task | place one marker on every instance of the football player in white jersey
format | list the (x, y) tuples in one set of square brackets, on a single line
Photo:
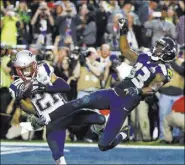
[(25, 90)]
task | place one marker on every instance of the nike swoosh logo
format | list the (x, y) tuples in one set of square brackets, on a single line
[(125, 109)]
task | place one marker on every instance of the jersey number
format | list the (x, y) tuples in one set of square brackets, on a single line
[(46, 101), (141, 77)]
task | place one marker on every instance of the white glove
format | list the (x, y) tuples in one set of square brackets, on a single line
[(27, 127)]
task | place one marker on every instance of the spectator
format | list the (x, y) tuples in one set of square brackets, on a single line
[(69, 4), (160, 27), (175, 119), (145, 10), (125, 9), (42, 23), (168, 95), (140, 117), (180, 30), (59, 7), (142, 10), (101, 23), (64, 70), (60, 55), (2, 9), (180, 8), (66, 27), (89, 74), (153, 4), (9, 27), (5, 95), (107, 60), (24, 37), (171, 15), (113, 32), (81, 22), (89, 33), (131, 34)]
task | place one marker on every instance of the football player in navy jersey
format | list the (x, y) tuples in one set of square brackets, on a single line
[(150, 71), (26, 92)]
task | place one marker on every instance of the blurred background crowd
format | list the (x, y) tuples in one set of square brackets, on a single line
[(80, 39)]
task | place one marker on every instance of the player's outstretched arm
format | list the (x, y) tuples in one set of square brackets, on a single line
[(58, 86), (155, 85), (123, 42)]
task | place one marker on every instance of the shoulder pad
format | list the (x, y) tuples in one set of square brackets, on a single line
[(46, 67)]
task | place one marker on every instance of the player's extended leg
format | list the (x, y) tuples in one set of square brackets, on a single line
[(96, 100), (88, 117), (56, 140), (120, 107)]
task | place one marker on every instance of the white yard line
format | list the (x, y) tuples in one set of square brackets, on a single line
[(92, 145), (7, 149)]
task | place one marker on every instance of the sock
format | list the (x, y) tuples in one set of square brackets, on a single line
[(121, 136)]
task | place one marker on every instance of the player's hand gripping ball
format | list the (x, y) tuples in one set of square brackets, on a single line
[(24, 90)]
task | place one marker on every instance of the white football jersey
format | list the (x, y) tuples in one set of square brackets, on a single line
[(45, 102)]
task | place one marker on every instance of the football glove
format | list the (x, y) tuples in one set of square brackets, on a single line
[(23, 90), (41, 88), (19, 91), (35, 122), (123, 24), (132, 91)]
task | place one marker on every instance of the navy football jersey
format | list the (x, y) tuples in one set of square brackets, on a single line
[(145, 70)]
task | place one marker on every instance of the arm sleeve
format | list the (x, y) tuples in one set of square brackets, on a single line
[(12, 90), (149, 24), (177, 68), (59, 86)]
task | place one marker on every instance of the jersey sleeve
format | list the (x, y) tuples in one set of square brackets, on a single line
[(48, 68), (13, 87), (143, 57), (12, 90), (44, 73)]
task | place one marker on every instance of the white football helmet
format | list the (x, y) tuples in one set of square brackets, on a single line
[(25, 65)]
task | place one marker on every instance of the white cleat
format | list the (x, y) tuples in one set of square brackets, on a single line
[(61, 161)]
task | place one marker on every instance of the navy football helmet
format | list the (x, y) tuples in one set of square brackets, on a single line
[(165, 49)]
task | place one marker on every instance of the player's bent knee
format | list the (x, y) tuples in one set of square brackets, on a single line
[(102, 147), (102, 119)]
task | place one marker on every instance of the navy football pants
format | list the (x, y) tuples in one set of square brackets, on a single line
[(55, 134), (119, 107)]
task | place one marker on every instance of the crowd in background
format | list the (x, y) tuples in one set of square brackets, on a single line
[(80, 39)]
